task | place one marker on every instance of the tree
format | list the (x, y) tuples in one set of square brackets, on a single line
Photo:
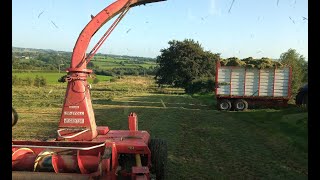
[(29, 81), (183, 62), (95, 80), (299, 68), (62, 79), (90, 65), (40, 81), (16, 80), (305, 71)]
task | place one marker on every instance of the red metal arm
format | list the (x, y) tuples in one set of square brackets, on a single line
[(79, 51)]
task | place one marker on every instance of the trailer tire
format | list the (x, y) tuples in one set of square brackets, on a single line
[(224, 105), (159, 154), (14, 117), (240, 105)]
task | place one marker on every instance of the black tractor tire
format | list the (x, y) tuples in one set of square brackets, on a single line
[(159, 155), (305, 100), (14, 117), (224, 105), (240, 105), (299, 99)]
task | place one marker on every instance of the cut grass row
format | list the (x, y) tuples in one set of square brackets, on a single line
[(52, 77)]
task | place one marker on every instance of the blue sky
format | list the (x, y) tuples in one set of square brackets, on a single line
[(256, 28)]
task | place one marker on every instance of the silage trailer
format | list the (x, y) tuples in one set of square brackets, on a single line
[(239, 87)]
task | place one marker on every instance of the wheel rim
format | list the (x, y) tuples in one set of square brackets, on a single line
[(224, 105), (240, 105)]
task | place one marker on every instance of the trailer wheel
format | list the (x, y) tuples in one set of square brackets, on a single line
[(240, 105), (224, 105), (159, 155), (14, 117)]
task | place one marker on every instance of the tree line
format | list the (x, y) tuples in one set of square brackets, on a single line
[(185, 64)]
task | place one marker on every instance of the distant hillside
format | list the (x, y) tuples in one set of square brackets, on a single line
[(102, 64), (33, 50)]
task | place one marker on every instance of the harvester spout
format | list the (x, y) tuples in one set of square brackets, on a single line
[(144, 2)]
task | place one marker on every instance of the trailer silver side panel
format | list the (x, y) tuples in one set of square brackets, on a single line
[(250, 82)]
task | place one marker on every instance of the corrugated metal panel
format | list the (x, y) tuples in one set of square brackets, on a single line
[(224, 90), (237, 81), (224, 77), (245, 82), (282, 76), (281, 83), (252, 82), (266, 82)]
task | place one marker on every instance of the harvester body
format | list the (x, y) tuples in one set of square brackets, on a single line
[(83, 150)]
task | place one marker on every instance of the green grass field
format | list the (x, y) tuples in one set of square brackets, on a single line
[(110, 63), (52, 77), (203, 143)]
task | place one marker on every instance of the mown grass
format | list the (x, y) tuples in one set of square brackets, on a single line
[(52, 77), (203, 143)]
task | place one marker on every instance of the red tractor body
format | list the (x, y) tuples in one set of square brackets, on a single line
[(112, 154)]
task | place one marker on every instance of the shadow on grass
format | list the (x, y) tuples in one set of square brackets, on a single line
[(175, 93), (157, 101), (102, 89), (251, 144), (290, 121), (109, 90), (261, 106)]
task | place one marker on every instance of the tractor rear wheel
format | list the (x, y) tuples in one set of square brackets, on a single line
[(14, 117), (240, 105), (159, 155), (224, 105)]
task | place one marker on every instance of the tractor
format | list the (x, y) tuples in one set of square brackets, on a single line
[(81, 149), (301, 98)]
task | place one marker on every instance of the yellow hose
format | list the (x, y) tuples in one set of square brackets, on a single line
[(138, 160)]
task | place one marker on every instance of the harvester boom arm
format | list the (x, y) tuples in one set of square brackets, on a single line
[(79, 51)]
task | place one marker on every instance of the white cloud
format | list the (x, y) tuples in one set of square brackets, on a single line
[(213, 10), (190, 15)]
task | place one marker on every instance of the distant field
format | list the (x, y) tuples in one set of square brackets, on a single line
[(52, 78), (110, 63)]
